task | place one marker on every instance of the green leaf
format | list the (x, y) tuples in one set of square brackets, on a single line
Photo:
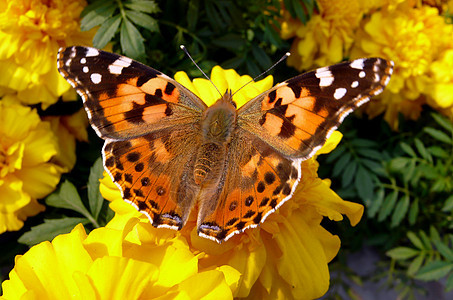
[(438, 151), (234, 62), (428, 171), (370, 153), (373, 166), (271, 35), (363, 143), (438, 135), (341, 164), (67, 197), (95, 5), (364, 183), (376, 204), (401, 253), (413, 212), (50, 229), (261, 57), (299, 10), (449, 283), (131, 40), (415, 265), (230, 41), (444, 250), (448, 205), (400, 211), (444, 122), (335, 154), (422, 150), (399, 163), (388, 205), (146, 6), (408, 149), (408, 172), (192, 14), (98, 15), (434, 234), (95, 198), (434, 270), (349, 174), (106, 32), (142, 20), (415, 240), (426, 240)]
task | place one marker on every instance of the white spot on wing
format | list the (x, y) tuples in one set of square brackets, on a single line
[(377, 77), (325, 76), (92, 52), (354, 84), (96, 78), (339, 93), (119, 64), (357, 64), (83, 60), (362, 74), (85, 69)]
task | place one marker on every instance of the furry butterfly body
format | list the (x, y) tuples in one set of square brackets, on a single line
[(169, 153)]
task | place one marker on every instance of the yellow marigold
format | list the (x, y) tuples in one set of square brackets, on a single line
[(27, 145), (68, 129), (415, 38), (327, 36), (31, 32), (441, 90), (108, 264)]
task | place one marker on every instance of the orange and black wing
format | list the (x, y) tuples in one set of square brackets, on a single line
[(124, 98), (296, 116)]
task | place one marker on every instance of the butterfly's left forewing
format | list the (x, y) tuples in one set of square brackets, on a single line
[(124, 98)]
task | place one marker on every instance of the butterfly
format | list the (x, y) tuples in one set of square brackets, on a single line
[(169, 153)]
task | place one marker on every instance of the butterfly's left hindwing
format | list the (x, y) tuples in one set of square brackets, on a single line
[(296, 116), (124, 98)]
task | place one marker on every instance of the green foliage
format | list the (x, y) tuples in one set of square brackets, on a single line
[(68, 203), (236, 34), (112, 15), (405, 180)]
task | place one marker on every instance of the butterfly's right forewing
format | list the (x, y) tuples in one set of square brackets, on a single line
[(296, 116)]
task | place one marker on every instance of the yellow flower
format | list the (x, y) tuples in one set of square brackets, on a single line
[(31, 32), (27, 145), (107, 264), (223, 80), (68, 129), (327, 36), (441, 90), (416, 39)]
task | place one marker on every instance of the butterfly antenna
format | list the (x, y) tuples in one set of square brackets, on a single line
[(187, 53), (270, 68)]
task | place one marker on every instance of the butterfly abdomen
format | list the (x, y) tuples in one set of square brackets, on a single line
[(208, 164)]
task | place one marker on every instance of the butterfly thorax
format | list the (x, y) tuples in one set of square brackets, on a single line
[(217, 127)]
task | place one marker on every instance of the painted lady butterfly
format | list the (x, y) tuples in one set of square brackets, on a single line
[(168, 152)]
